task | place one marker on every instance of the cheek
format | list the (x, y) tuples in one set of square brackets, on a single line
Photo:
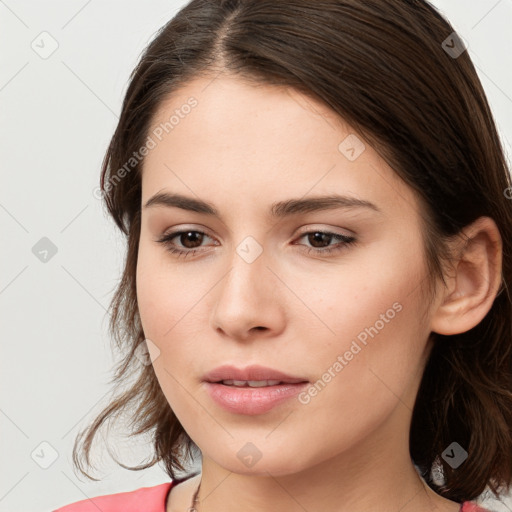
[(168, 318), (374, 315), (165, 297), (351, 304), (370, 369), (379, 361)]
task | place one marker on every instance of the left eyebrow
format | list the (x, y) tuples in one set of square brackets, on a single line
[(278, 210)]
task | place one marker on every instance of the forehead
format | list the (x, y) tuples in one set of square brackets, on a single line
[(224, 138), (229, 110)]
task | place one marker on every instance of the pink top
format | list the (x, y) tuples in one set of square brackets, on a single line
[(154, 499)]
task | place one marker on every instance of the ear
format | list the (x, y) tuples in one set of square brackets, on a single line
[(474, 281)]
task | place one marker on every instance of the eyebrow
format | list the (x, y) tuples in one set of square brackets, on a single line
[(279, 209)]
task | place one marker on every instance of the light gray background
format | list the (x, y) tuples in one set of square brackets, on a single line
[(58, 114)]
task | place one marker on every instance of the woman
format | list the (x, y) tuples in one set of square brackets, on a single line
[(316, 290)]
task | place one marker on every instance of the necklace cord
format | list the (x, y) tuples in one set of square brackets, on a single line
[(195, 499)]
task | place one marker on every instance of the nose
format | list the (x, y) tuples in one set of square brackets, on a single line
[(249, 300)]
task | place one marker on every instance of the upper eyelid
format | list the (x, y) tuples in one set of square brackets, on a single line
[(173, 233)]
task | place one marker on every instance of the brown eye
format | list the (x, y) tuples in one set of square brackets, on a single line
[(317, 238), (189, 241), (320, 241)]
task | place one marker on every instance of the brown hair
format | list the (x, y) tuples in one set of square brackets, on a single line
[(383, 67)]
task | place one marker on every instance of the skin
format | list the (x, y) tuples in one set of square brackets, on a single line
[(242, 148)]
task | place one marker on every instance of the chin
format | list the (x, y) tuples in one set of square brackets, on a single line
[(246, 458)]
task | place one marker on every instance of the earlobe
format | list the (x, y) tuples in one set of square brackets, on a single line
[(474, 280)]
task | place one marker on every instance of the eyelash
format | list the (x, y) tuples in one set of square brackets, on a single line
[(344, 240)]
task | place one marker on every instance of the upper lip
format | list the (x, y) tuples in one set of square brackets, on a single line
[(254, 372)]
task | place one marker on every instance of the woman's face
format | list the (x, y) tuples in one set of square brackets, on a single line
[(350, 321)]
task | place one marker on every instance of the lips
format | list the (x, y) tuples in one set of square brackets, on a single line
[(250, 375), (251, 390)]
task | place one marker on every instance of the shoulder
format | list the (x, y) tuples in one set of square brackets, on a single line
[(469, 506), (144, 499)]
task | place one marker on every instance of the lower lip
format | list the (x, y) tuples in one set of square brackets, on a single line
[(251, 401)]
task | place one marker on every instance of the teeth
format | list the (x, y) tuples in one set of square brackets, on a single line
[(251, 383)]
